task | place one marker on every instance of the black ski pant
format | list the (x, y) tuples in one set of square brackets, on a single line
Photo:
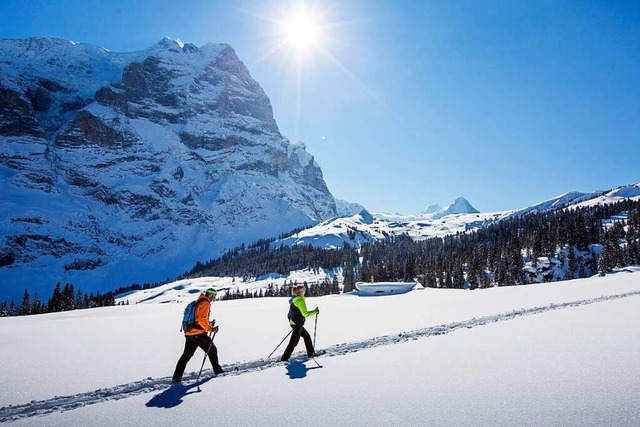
[(192, 342), (297, 332)]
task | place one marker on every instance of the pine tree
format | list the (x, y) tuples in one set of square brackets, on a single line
[(484, 280), (13, 309), (516, 262), (68, 298), (501, 272), (55, 302), (572, 261), (458, 277), (36, 305), (349, 278), (78, 304), (604, 262), (25, 307), (474, 271), (335, 285)]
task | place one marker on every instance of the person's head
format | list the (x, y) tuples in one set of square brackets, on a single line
[(298, 290), (210, 294)]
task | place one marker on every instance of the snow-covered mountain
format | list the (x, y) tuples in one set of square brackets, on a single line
[(433, 209), (125, 167), (345, 209), (365, 227), (459, 206), (460, 216)]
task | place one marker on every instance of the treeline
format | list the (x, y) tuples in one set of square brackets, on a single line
[(324, 287), (62, 299), (558, 245), (258, 260), (547, 246)]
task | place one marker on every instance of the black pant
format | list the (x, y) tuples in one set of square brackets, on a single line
[(298, 331), (192, 342)]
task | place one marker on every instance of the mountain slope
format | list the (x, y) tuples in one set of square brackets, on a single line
[(459, 217), (124, 167)]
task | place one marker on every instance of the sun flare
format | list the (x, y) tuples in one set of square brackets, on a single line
[(305, 38), (301, 30)]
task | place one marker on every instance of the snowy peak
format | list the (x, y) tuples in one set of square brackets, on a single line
[(460, 206), (433, 209), (130, 167)]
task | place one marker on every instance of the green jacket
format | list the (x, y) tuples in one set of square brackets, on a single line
[(298, 311)]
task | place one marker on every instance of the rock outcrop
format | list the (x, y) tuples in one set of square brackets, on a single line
[(130, 167)]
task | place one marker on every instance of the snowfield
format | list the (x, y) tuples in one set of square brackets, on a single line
[(563, 353)]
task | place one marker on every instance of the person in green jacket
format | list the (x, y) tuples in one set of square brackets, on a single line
[(297, 316)]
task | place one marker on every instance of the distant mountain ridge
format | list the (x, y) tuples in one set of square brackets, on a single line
[(460, 216), (125, 167)]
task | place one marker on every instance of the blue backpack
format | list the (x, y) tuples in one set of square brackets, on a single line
[(189, 316)]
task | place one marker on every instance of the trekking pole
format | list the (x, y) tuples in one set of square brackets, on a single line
[(274, 350), (206, 354), (315, 329)]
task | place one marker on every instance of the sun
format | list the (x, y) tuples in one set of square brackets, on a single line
[(302, 30), (305, 37)]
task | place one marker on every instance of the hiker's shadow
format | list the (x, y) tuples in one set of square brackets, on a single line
[(297, 370), (172, 397)]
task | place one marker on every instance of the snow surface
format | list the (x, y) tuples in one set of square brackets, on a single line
[(550, 354)]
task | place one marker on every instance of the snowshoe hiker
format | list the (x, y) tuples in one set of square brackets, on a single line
[(196, 336), (297, 316)]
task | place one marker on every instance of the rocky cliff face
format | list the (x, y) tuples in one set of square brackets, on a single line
[(117, 168)]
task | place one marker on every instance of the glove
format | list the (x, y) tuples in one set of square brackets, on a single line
[(317, 310), (213, 323), (215, 329)]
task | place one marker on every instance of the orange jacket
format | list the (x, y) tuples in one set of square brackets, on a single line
[(202, 317)]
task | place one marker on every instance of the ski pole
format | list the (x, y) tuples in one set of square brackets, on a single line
[(274, 350), (206, 354)]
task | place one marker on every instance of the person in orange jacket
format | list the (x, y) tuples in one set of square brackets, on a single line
[(196, 336)]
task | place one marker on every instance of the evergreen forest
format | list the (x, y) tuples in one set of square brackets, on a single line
[(556, 245)]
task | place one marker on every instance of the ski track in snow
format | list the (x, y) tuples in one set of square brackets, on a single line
[(148, 385)]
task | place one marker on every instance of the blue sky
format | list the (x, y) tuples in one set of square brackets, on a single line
[(410, 103)]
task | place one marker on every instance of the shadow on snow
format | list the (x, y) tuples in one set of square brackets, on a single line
[(297, 370), (172, 397)]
